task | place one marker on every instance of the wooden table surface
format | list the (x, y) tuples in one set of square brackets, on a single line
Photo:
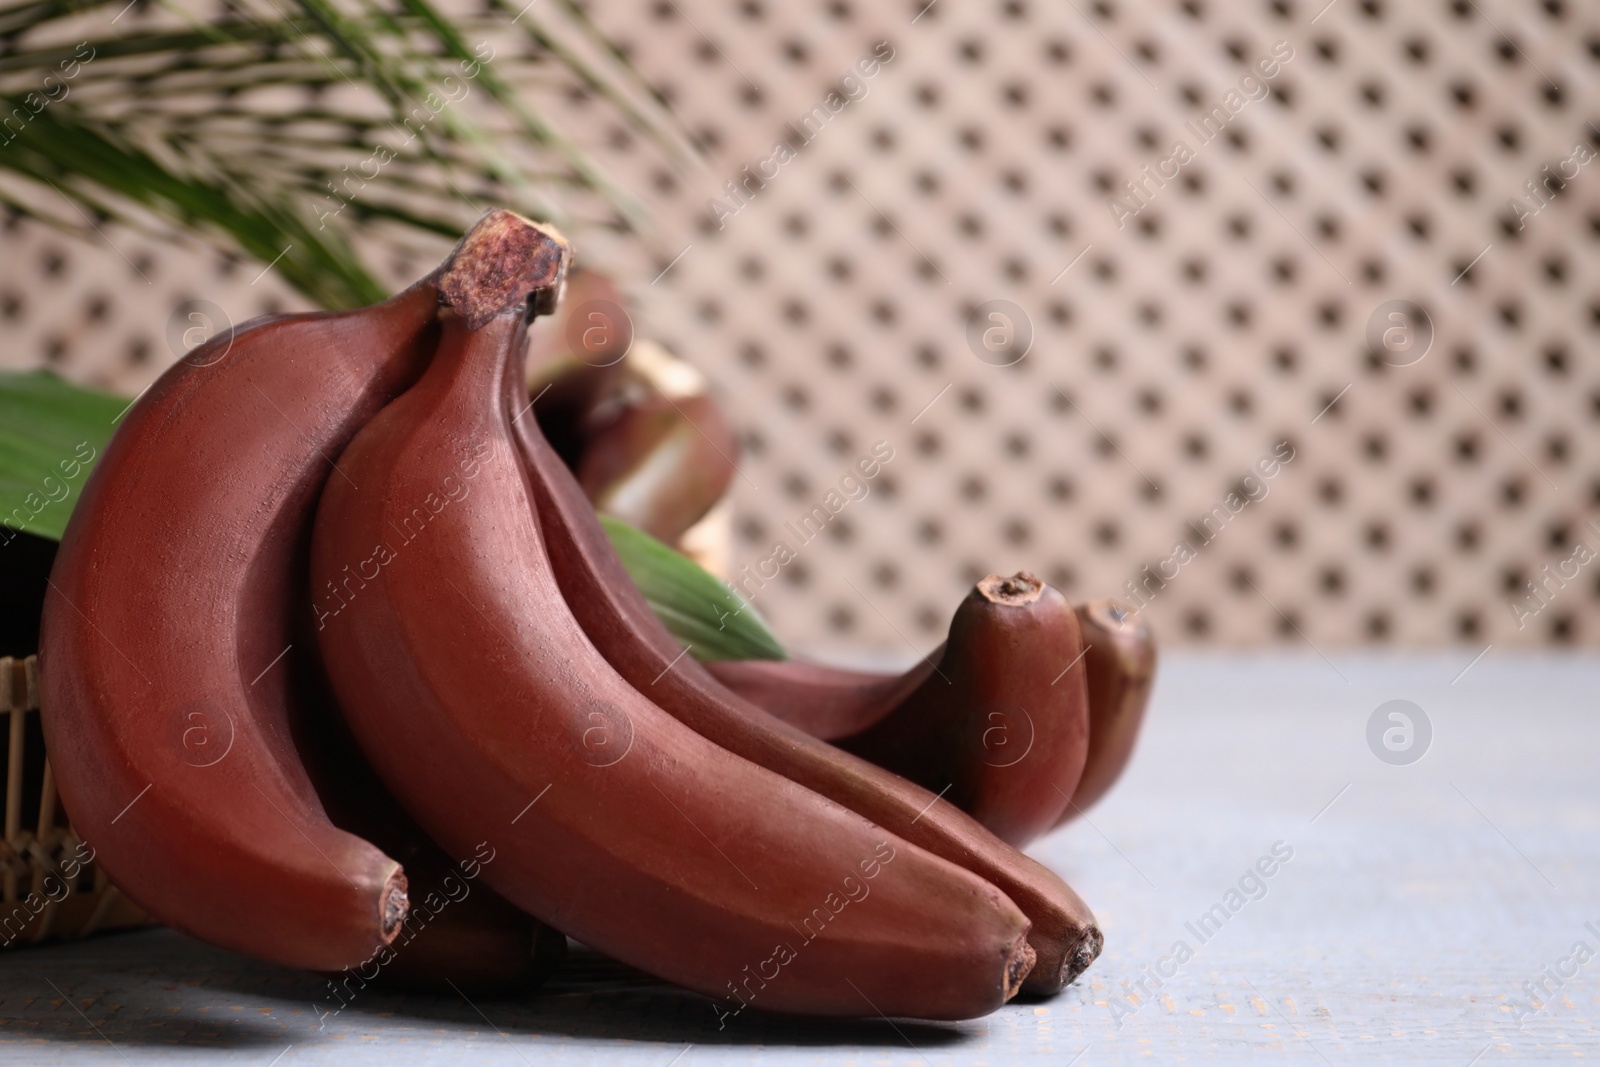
[(1409, 911)]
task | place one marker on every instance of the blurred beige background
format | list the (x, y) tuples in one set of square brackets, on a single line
[(1180, 340)]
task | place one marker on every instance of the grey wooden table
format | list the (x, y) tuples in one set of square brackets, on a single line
[(1410, 910)]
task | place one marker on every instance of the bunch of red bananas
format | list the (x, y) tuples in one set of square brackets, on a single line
[(341, 670)]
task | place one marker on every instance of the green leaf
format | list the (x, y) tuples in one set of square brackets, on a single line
[(701, 611), (53, 432)]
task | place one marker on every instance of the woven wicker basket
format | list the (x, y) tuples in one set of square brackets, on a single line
[(53, 890)]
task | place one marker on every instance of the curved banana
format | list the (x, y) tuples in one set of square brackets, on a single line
[(165, 705), (580, 359), (1003, 722)]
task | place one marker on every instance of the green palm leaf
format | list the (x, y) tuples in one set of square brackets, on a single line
[(169, 128)]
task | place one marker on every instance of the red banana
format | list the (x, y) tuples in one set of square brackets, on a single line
[(1000, 723), (833, 704), (649, 444), (490, 715), (617, 619), (1121, 661), (165, 709)]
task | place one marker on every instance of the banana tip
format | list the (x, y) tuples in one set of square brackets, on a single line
[(1083, 954), (395, 904), (1019, 966), (1021, 588)]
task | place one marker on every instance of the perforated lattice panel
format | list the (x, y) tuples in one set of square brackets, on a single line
[(1237, 302)]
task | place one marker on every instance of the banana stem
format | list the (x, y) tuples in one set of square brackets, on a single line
[(501, 261)]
